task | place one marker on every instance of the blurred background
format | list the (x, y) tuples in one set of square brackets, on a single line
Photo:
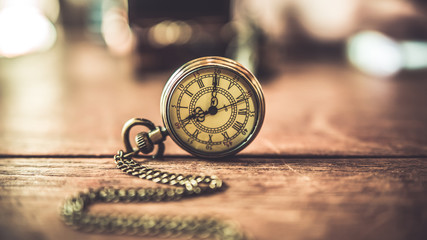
[(67, 66), (379, 38)]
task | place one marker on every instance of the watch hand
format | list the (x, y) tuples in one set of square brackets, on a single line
[(235, 103), (189, 117), (215, 83), (198, 114), (214, 100)]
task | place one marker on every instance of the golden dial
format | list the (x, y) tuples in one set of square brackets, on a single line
[(213, 110)]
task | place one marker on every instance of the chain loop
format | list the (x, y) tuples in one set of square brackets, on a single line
[(74, 211), (144, 141)]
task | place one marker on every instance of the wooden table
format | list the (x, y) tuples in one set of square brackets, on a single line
[(341, 155)]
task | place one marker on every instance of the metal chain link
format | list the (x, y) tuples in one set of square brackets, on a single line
[(74, 211)]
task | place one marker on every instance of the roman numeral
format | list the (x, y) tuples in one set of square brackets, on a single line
[(188, 93), (237, 126), (241, 97), (200, 83), (243, 111), (225, 135), (215, 80), (233, 82), (230, 85), (209, 145), (227, 142), (196, 133)]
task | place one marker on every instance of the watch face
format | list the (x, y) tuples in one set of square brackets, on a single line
[(213, 110)]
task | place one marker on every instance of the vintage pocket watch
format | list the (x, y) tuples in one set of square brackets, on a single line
[(211, 107)]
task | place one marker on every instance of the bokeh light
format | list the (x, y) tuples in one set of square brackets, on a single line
[(170, 33), (322, 19), (375, 54), (415, 54), (24, 29), (116, 31)]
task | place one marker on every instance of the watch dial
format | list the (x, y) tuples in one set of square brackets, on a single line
[(212, 110)]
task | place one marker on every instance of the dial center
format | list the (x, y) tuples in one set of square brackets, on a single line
[(212, 110)]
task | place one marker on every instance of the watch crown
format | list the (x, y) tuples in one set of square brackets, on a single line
[(144, 143)]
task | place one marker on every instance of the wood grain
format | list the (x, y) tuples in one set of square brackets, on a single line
[(271, 198)]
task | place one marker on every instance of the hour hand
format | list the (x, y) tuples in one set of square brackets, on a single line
[(214, 100), (198, 114), (215, 83)]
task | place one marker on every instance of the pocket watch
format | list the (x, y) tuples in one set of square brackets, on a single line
[(211, 107)]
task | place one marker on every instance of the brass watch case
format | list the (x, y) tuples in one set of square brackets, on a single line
[(203, 63)]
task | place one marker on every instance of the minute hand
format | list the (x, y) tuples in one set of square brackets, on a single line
[(235, 103)]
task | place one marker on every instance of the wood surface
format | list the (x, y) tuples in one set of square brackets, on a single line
[(273, 198), (340, 156)]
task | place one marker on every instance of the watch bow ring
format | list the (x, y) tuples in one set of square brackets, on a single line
[(211, 107)]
